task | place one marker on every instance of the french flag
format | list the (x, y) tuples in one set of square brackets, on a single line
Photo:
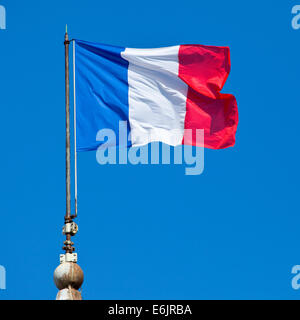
[(159, 92)]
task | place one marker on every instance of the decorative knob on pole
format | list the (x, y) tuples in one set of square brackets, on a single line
[(68, 278)]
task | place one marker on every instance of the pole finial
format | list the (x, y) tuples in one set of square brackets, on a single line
[(66, 28)]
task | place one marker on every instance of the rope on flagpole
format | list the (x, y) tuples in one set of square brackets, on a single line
[(75, 142)]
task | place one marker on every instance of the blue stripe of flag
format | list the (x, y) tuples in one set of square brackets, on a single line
[(101, 92)]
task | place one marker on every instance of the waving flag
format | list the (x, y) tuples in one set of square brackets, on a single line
[(159, 92)]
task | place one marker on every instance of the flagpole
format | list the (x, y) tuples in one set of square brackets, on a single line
[(68, 247), (68, 276)]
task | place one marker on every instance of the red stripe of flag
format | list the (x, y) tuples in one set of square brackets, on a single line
[(205, 70)]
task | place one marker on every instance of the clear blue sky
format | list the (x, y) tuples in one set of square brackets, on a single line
[(150, 232)]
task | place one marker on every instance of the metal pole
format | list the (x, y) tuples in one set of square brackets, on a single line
[(68, 276), (68, 244)]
